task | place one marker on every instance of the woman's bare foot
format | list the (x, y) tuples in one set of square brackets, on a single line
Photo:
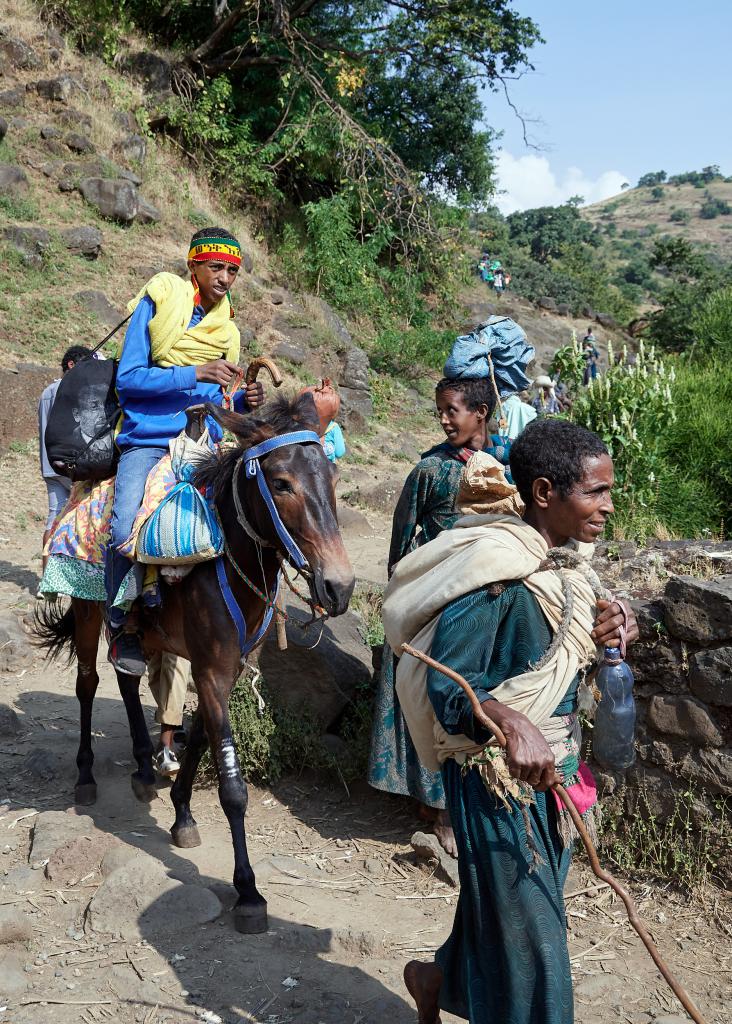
[(423, 983), (444, 832)]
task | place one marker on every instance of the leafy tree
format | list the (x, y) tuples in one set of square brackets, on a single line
[(713, 206), (692, 278), (547, 230), (657, 193), (652, 178)]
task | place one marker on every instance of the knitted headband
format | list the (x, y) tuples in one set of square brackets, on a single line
[(227, 250)]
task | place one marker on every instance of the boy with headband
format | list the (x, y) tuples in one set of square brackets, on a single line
[(181, 349)]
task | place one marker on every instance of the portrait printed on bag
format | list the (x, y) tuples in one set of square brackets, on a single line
[(90, 416)]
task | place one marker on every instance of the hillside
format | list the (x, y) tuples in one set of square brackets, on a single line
[(637, 215)]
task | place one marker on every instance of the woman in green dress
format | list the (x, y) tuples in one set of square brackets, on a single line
[(425, 508)]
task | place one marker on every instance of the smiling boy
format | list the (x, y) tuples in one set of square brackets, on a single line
[(181, 349)]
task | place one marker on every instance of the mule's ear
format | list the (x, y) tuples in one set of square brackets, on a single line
[(233, 421), (305, 412)]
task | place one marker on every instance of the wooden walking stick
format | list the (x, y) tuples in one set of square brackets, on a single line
[(631, 910)]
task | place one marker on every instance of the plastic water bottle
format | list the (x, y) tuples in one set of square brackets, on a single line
[(613, 737)]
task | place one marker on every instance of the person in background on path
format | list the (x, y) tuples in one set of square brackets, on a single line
[(590, 354), (167, 677), (334, 444), (171, 359), (517, 415), (499, 282), (58, 487), (327, 405), (425, 508), (546, 402), (506, 960)]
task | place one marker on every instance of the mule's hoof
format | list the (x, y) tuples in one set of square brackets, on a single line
[(251, 918), (85, 794), (144, 791), (185, 838)]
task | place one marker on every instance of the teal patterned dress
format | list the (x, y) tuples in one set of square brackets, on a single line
[(425, 508), (506, 960)]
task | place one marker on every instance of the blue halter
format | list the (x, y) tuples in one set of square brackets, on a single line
[(251, 458)]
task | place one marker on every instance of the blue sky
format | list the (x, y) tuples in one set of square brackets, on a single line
[(620, 89)]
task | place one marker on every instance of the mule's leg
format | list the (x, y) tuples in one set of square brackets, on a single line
[(184, 830), (250, 911), (88, 623), (143, 780)]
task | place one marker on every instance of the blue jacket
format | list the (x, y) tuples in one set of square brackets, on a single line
[(154, 398)]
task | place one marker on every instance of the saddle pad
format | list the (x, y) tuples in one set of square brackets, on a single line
[(81, 529)]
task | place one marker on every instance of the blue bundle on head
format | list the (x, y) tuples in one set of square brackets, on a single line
[(509, 350)]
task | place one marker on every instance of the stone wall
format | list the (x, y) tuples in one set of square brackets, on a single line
[(683, 672)]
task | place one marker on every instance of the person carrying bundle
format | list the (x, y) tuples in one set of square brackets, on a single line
[(491, 600)]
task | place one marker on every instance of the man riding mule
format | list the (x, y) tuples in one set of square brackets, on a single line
[(274, 496)]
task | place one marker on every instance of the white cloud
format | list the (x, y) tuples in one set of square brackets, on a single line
[(529, 181)]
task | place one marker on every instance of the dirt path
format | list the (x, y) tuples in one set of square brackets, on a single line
[(348, 904)]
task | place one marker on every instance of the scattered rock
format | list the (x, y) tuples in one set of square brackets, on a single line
[(147, 213), (16, 650), (356, 408), (9, 721), (23, 877), (595, 988), (355, 372), (79, 143), (75, 119), (31, 243), (352, 519), (19, 122), (83, 241), (332, 320), (277, 297), (292, 351), (14, 926), (563, 309), (381, 495), (710, 675), (151, 69), (427, 846), (12, 98), (117, 857), (40, 763), (3, 128), (328, 674), (55, 147), (49, 131), (15, 980), (132, 147), (605, 320), (59, 90), (247, 262), (125, 119), (699, 610), (684, 716), (139, 900), (79, 857), (19, 54), (548, 303), (97, 302), (115, 199), (53, 829)]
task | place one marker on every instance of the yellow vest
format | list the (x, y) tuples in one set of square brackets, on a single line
[(172, 341)]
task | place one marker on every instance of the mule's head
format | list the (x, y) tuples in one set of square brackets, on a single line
[(302, 483)]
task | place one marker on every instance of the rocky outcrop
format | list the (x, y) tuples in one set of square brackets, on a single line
[(13, 180), (115, 199), (29, 242), (83, 241)]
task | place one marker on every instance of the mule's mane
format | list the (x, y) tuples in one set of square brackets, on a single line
[(280, 416)]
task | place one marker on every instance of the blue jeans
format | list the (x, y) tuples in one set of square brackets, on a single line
[(129, 488)]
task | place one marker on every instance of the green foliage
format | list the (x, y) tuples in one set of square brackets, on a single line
[(672, 848), (273, 740), (629, 407), (712, 326), (680, 216), (657, 193), (568, 363), (652, 178), (548, 230), (714, 207), (696, 178), (19, 208), (96, 26)]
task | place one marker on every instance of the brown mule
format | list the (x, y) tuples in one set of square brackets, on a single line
[(194, 621)]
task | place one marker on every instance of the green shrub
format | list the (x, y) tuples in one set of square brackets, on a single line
[(680, 217), (714, 207), (712, 326)]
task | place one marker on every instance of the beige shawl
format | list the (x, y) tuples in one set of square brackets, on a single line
[(478, 551)]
